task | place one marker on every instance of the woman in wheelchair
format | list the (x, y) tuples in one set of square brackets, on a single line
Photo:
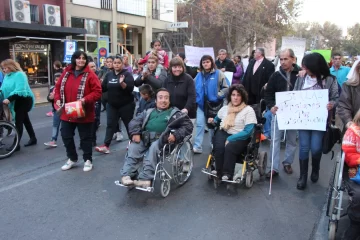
[(236, 122), (351, 148)]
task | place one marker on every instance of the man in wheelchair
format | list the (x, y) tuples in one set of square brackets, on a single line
[(236, 121), (150, 131)]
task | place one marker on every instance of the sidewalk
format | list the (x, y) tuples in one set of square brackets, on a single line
[(40, 94)]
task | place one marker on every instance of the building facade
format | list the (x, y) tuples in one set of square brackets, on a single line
[(129, 25)]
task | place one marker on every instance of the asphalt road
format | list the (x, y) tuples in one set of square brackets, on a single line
[(39, 201)]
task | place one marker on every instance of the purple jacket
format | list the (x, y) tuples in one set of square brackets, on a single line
[(237, 75), (129, 69)]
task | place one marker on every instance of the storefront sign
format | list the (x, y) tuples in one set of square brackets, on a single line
[(69, 49), (29, 46), (103, 50)]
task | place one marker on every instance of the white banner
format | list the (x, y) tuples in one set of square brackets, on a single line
[(229, 76), (194, 54), (298, 45), (302, 110)]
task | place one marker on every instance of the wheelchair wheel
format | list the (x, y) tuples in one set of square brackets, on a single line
[(165, 188), (182, 164), (249, 179), (262, 163), (9, 139), (332, 230)]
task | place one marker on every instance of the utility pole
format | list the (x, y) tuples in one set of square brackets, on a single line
[(192, 26)]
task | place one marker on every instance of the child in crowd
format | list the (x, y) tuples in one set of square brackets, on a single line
[(56, 117), (160, 54), (147, 98)]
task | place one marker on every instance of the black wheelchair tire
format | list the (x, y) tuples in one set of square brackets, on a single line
[(9, 125)]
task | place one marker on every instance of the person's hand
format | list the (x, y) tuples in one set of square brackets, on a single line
[(349, 124), (171, 138), (184, 110), (274, 109), (136, 138), (145, 75), (58, 103), (301, 73), (223, 69), (329, 106), (121, 80), (210, 120), (82, 101), (226, 143), (6, 101)]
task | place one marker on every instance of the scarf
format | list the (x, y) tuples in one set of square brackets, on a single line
[(229, 120), (80, 91)]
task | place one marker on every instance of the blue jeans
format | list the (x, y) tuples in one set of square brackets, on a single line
[(200, 129), (56, 126), (267, 126), (310, 140), (290, 150)]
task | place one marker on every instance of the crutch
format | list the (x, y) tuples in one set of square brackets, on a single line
[(272, 155)]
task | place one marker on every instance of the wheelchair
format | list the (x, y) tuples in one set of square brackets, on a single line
[(174, 163), (336, 190)]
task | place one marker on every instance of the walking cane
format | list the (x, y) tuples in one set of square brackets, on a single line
[(272, 155)]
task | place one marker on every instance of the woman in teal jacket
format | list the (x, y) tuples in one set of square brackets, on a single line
[(19, 97)]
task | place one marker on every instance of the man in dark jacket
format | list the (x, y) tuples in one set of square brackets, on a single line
[(192, 71), (282, 81), (224, 64), (257, 75), (149, 132)]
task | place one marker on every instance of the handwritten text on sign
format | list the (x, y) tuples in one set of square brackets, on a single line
[(303, 110)]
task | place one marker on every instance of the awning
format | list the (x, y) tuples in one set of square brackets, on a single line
[(8, 28)]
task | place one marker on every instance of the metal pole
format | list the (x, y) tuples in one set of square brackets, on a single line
[(49, 66), (192, 27), (13, 50)]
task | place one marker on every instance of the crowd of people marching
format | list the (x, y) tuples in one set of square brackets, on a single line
[(200, 97)]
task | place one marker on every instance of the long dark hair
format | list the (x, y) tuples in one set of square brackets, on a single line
[(317, 65), (207, 57), (75, 56)]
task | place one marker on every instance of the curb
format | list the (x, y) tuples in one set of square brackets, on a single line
[(320, 231)]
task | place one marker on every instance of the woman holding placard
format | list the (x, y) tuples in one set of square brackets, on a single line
[(317, 77)]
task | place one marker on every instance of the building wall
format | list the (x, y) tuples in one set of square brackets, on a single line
[(5, 13)]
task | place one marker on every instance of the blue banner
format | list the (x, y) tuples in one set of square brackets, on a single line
[(69, 49)]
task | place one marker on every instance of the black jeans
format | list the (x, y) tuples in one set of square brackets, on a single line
[(22, 108), (126, 114), (354, 203), (226, 156), (96, 123), (67, 134)]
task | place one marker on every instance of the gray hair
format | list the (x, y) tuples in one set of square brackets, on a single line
[(262, 50), (354, 80), (290, 51), (222, 51)]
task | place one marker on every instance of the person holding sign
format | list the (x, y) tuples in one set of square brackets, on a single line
[(281, 81), (317, 77)]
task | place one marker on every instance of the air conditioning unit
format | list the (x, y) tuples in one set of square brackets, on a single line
[(52, 15), (20, 11)]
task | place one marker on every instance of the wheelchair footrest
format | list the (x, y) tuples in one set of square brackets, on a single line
[(118, 183), (237, 181), (204, 170), (148, 189)]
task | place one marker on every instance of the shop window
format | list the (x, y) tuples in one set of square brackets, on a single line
[(77, 22), (78, 37), (105, 28), (91, 26), (91, 46), (34, 13), (81, 45)]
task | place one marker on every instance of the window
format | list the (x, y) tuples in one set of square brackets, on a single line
[(91, 26), (77, 22), (105, 28), (34, 13)]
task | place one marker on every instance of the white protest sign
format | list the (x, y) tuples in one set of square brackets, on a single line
[(302, 110), (194, 54), (298, 45), (229, 76)]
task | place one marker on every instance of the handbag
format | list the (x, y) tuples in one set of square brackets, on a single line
[(74, 109), (331, 136)]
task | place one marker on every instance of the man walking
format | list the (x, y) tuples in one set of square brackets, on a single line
[(338, 70), (281, 81)]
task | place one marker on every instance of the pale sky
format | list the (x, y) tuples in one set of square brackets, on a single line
[(344, 13)]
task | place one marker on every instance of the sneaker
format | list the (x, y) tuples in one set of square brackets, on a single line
[(69, 164), (142, 183), (197, 150), (119, 136), (114, 136), (214, 172), (51, 144), (50, 114), (103, 149), (126, 180), (273, 173), (225, 178), (87, 166)]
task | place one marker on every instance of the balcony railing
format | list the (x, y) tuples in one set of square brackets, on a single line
[(106, 4)]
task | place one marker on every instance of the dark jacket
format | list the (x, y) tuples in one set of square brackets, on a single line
[(103, 72), (192, 71), (51, 100), (154, 82), (349, 102), (227, 64), (278, 83), (178, 121), (182, 92), (117, 96), (253, 83), (145, 105)]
